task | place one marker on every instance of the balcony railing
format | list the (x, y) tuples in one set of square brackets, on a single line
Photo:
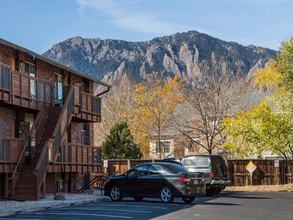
[(87, 106), (81, 154), (10, 149), (23, 90)]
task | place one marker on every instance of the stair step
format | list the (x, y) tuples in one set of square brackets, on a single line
[(28, 171), (31, 197), (25, 188), (27, 179), (27, 185)]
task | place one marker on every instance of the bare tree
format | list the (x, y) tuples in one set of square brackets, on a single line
[(207, 102), (116, 107)]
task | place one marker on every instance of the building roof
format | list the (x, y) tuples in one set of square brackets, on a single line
[(40, 57)]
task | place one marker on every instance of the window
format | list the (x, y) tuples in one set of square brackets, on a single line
[(97, 156), (96, 106), (41, 95), (1, 86), (58, 89), (138, 171), (4, 78), (30, 69), (155, 169), (5, 149), (84, 133), (6, 81), (165, 145)]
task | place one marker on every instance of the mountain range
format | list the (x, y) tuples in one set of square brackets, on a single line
[(188, 55)]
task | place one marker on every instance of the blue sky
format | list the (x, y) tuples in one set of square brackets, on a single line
[(38, 24)]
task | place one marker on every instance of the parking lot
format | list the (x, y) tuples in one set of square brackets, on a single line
[(228, 205)]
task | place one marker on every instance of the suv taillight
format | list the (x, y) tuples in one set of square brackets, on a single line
[(211, 174)]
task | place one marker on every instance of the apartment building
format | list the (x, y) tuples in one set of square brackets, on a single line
[(47, 116)]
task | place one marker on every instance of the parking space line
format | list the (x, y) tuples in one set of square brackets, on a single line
[(124, 210), (86, 214), (106, 209)]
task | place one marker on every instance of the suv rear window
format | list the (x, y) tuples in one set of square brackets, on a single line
[(196, 161)]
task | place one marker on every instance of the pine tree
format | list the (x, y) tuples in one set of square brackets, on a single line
[(119, 144)]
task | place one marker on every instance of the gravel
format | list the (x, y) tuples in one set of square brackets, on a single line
[(262, 188)]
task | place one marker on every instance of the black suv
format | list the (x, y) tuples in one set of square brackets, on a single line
[(213, 168)]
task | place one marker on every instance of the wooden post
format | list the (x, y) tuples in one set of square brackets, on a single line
[(128, 164), (6, 189)]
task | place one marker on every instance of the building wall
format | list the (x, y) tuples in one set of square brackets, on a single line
[(75, 133), (5, 54), (45, 71), (6, 116)]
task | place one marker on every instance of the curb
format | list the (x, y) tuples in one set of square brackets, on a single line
[(43, 207)]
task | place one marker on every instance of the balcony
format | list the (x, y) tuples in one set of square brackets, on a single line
[(76, 158), (10, 151), (87, 107), (22, 90)]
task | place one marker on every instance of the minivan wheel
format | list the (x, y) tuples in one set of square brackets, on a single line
[(115, 194), (166, 194), (188, 199)]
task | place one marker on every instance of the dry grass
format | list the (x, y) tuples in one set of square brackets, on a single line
[(262, 188)]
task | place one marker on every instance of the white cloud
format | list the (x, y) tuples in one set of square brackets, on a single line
[(124, 14)]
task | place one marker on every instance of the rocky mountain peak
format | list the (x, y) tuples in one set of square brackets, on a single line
[(187, 55)]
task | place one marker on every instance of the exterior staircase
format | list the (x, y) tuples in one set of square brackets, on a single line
[(27, 184), (55, 123)]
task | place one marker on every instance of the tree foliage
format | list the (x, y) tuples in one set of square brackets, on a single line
[(155, 101), (267, 126), (119, 144)]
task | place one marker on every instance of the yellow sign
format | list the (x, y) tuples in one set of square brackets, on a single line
[(250, 167)]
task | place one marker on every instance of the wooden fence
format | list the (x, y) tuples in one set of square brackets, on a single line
[(267, 172)]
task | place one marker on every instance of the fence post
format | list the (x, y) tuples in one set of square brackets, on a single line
[(128, 164)]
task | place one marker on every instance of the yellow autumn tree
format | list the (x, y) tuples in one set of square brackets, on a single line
[(268, 126), (155, 101)]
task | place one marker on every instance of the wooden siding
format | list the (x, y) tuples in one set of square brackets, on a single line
[(87, 107), (20, 89), (10, 150), (78, 158)]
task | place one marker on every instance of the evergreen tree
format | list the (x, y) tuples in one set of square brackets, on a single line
[(119, 143)]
